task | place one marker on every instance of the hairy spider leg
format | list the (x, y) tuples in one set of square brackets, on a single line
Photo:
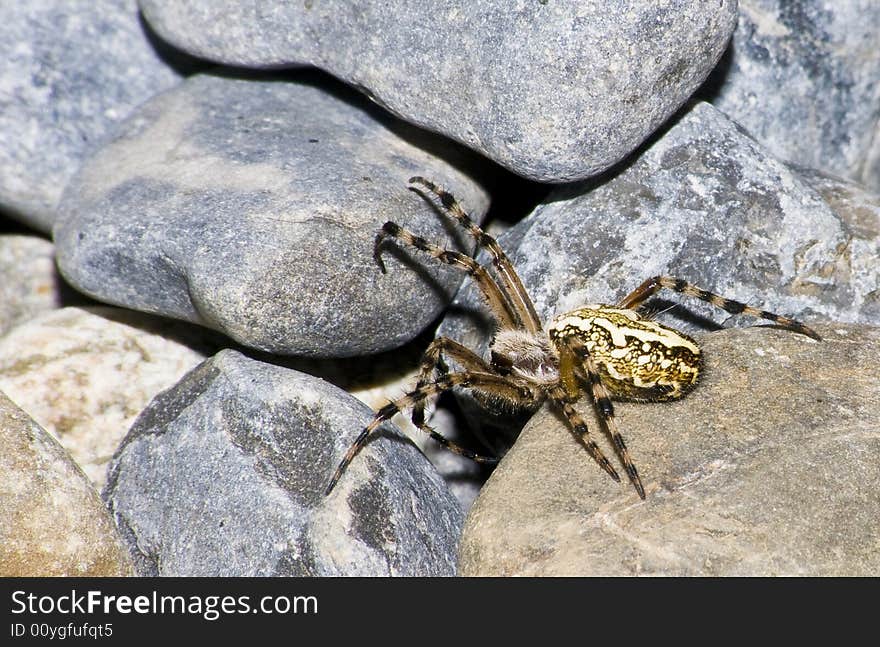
[(496, 299), (655, 283), (579, 426), (602, 403), (510, 281), (475, 381), (432, 364)]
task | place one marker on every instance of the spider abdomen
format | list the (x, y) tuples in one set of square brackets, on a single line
[(638, 359)]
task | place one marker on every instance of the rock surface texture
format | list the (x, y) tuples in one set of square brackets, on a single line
[(708, 204), (804, 79), (52, 521), (221, 176), (770, 467), (252, 207), (30, 283), (225, 473), (555, 91), (84, 374), (70, 72)]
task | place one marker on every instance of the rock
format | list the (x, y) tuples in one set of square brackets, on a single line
[(553, 91), (859, 211), (224, 475), (52, 522), (30, 283), (84, 374), (770, 467), (252, 206), (704, 203), (70, 72), (377, 379), (804, 79)]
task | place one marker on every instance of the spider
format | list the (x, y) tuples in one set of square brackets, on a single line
[(610, 351)]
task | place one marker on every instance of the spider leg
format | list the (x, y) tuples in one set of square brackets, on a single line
[(497, 300), (579, 427), (486, 382), (655, 283), (432, 363), (510, 281), (602, 402), (453, 447)]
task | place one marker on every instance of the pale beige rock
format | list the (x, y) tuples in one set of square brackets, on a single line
[(770, 467), (84, 374), (52, 521)]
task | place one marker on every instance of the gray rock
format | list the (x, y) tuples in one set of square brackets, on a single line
[(84, 374), (770, 467), (29, 281), (52, 521), (69, 73), (224, 475), (377, 379), (555, 91), (705, 203), (804, 79), (251, 207), (859, 211)]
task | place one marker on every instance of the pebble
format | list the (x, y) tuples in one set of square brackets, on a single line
[(708, 204), (30, 283), (770, 467), (555, 91), (52, 521), (251, 206), (804, 79), (224, 475), (85, 373), (70, 72)]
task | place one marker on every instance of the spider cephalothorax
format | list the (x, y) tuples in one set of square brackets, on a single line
[(609, 351)]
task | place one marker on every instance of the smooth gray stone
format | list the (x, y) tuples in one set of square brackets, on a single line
[(224, 474), (804, 79), (252, 206), (555, 91), (70, 72)]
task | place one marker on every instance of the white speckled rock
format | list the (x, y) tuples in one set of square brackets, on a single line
[(84, 374), (770, 467), (859, 211), (52, 522), (555, 90), (705, 203), (804, 79), (708, 204), (224, 474), (252, 206), (70, 71)]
